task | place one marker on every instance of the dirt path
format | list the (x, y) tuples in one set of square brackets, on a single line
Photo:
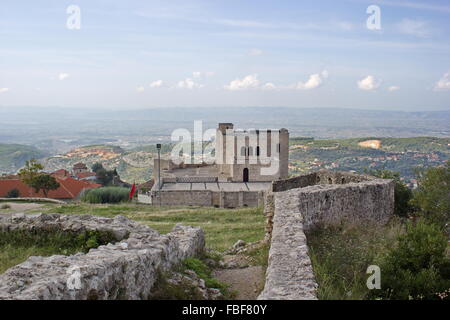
[(18, 207), (247, 282)]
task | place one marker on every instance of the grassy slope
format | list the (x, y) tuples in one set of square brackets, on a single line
[(222, 227), (13, 156)]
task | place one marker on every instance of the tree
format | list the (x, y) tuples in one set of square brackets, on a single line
[(13, 193), (105, 177), (402, 193), (30, 171), (32, 176), (432, 196), (44, 182), (96, 166)]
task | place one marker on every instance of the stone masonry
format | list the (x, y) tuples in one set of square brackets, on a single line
[(316, 199), (126, 269)]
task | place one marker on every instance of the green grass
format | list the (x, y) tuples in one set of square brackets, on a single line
[(222, 227), (341, 254), (17, 246)]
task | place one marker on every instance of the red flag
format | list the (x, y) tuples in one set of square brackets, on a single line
[(133, 191)]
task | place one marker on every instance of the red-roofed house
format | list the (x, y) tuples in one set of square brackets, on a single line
[(61, 173), (89, 176), (69, 189)]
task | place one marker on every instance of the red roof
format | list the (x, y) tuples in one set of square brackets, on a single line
[(83, 175), (69, 188), (61, 173)]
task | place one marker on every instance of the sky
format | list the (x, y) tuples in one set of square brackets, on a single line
[(214, 53)]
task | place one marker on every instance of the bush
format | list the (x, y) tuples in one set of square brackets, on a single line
[(5, 206), (417, 267), (13, 193), (106, 195), (432, 195), (402, 194)]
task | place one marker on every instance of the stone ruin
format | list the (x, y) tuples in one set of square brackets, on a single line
[(126, 269), (304, 202)]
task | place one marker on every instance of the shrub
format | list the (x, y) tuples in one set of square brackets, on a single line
[(106, 195), (13, 193), (432, 195), (417, 267), (402, 194), (5, 206)]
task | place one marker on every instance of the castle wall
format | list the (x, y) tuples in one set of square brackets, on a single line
[(299, 204)]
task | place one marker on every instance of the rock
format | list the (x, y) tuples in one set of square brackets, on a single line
[(239, 244), (127, 269)]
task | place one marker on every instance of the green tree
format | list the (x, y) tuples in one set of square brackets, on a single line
[(105, 177), (30, 171), (13, 193), (96, 167), (432, 197), (417, 267), (44, 182), (402, 193)]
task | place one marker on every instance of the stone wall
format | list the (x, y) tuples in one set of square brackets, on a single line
[(208, 198), (320, 198), (126, 269)]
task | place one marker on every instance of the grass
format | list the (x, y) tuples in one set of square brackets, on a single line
[(341, 254), (17, 246), (222, 227)]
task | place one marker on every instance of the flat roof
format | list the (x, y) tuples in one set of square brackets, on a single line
[(216, 186)]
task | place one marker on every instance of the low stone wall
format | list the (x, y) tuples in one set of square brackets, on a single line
[(127, 269), (33, 200), (289, 212), (208, 198)]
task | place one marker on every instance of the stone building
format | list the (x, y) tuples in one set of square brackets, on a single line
[(251, 155), (246, 164)]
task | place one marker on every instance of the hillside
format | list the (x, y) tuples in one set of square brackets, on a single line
[(13, 156), (365, 154), (306, 154)]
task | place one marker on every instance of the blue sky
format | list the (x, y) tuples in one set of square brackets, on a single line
[(138, 54)]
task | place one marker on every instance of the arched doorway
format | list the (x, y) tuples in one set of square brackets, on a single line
[(245, 175)]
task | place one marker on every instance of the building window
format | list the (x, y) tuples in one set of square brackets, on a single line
[(250, 151), (257, 151), (243, 151), (279, 147)]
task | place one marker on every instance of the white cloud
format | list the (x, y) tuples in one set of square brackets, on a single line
[(248, 82), (411, 27), (269, 86), (369, 83), (255, 52), (63, 76), (198, 74), (314, 81), (394, 88), (140, 89), (443, 83), (2, 90), (189, 84), (157, 84)]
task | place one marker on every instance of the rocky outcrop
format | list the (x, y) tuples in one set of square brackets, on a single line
[(126, 269)]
